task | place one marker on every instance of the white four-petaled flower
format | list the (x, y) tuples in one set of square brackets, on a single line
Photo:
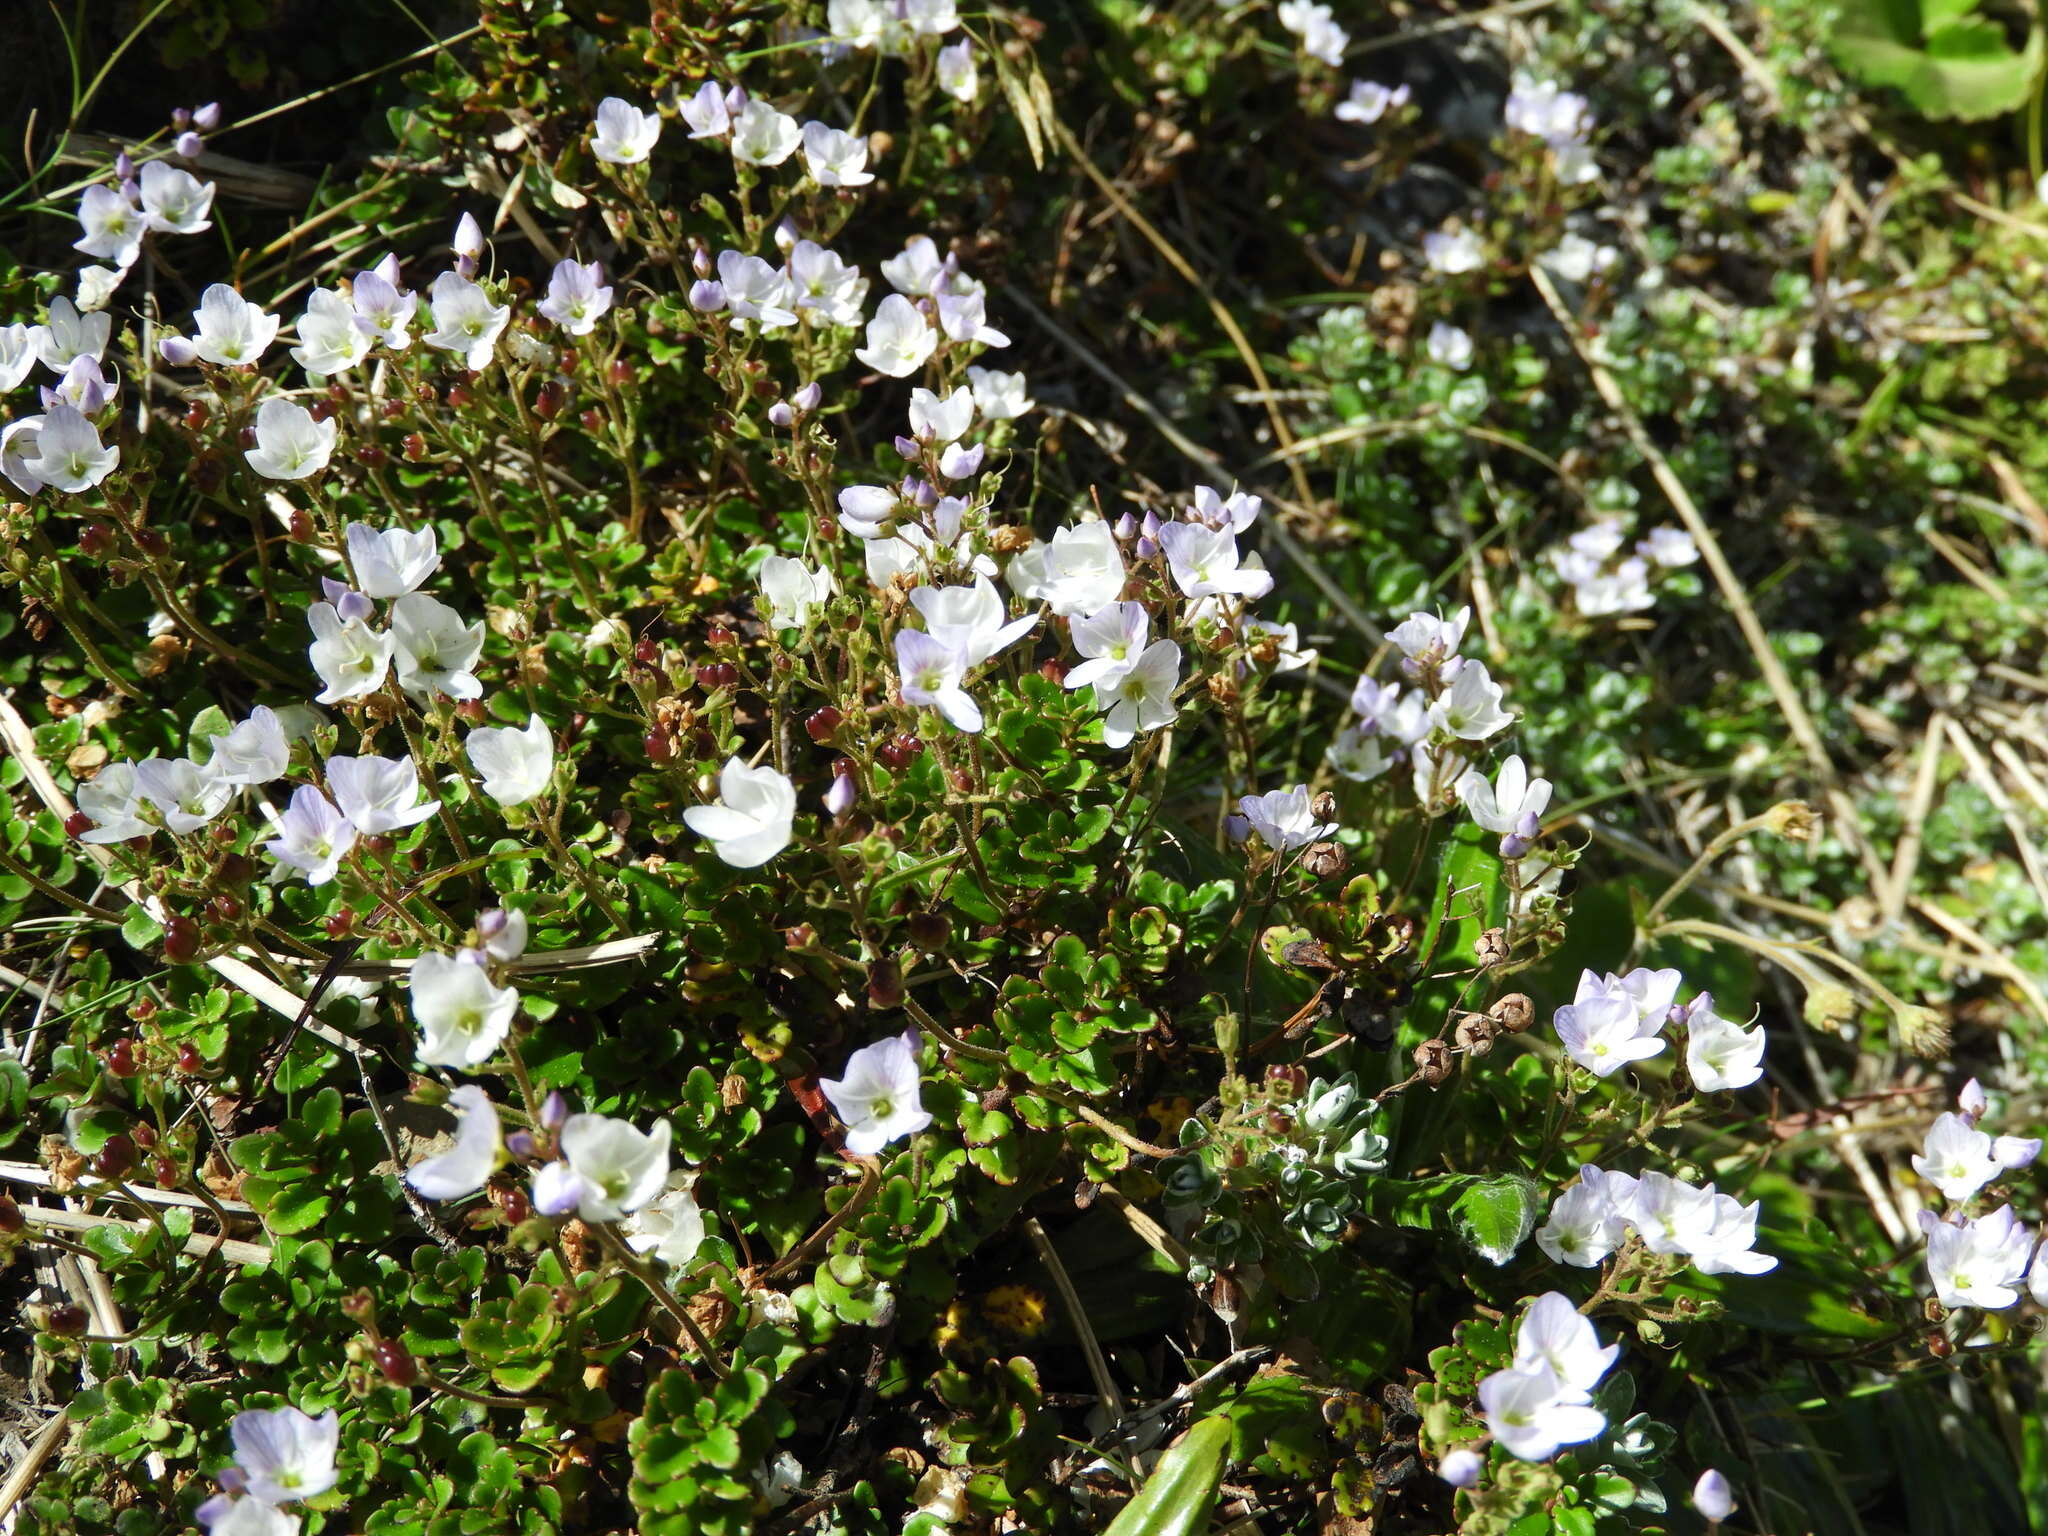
[(516, 762), (752, 821), (463, 1015), (878, 1098), (623, 134)]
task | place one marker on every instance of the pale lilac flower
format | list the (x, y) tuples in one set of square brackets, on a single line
[(466, 322), (617, 1168), (19, 346), (467, 1166), (330, 340), (1625, 589), (958, 77), (1462, 1467), (223, 1516), (999, 396), (462, 1014), (1532, 1414), (1429, 638), (937, 420), (1729, 1247), (825, 286), (879, 1097), (379, 794), (1671, 1216), (898, 339), (1142, 698), (113, 227), (1232, 514), (188, 145), (174, 201), (390, 562), (794, 591), (1283, 818), (384, 311), (623, 134), (1111, 639), (254, 752), (84, 387), (468, 244), (1500, 806), (756, 291), (313, 837), (864, 510), (1450, 347), (705, 112), (1957, 1158), (577, 296), (1576, 259), (1361, 755), (350, 657), (1544, 110), (671, 1227), (1079, 571), (1603, 1035), (112, 801), (1321, 37), (1453, 252), (971, 619), (753, 818), (964, 318), (930, 18), (290, 443), (1712, 1497), (1668, 547), (2014, 1152), (835, 158), (763, 136), (917, 269), (503, 932), (1977, 1263), (285, 1455), (1370, 101), (1584, 1226), (1205, 562), (1719, 1053), (1470, 709), (1970, 1100), (1553, 1333), (556, 1190), (66, 453), (516, 763), (67, 335), (930, 674), (436, 651)]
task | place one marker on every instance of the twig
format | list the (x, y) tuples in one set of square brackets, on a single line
[(1091, 1348)]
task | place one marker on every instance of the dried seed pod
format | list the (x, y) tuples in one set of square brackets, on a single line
[(1513, 1013), (1325, 861), (1492, 947), (1433, 1061), (1475, 1034)]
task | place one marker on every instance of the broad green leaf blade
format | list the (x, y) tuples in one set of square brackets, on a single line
[(1178, 1496)]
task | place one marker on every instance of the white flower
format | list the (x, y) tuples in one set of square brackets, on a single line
[(66, 335), (1978, 1263), (999, 396), (1453, 252), (254, 752), (384, 311), (1575, 258), (1730, 1245), (112, 801), (1360, 755), (1142, 699), (379, 794), (1450, 347), (19, 346), (917, 269), (1668, 547), (1501, 805), (623, 134), (284, 1454), (970, 619), (577, 296), (835, 158), (463, 1015), (958, 77), (1462, 1467), (930, 18), (825, 286), (313, 837), (1625, 589), (84, 386), (618, 1168), (1470, 709), (390, 562), (174, 202), (1080, 571), (752, 821), (1320, 36), (1956, 1158), (1603, 1034), (113, 228), (1719, 1053), (1712, 1497), (96, 286), (1111, 640), (794, 591), (1205, 562), (671, 1228), (67, 454), (350, 657), (436, 650), (330, 341), (1553, 1333), (898, 339), (1717, 1232), (467, 1166), (964, 317), (763, 136), (516, 764), (466, 322), (705, 112), (232, 331), (503, 932), (1283, 818), (1584, 1226), (290, 443), (756, 291), (1370, 101), (247, 1516), (867, 24), (930, 672), (878, 1099), (187, 795), (1532, 1413), (940, 421)]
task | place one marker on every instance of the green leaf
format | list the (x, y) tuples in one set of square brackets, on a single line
[(1496, 1217), (1949, 62), (1178, 1496)]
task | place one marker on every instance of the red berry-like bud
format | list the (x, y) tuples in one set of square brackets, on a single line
[(115, 1158), (165, 1172), (718, 637), (393, 409), (11, 1219), (415, 447), (143, 1009), (144, 1134), (226, 908), (459, 395), (95, 541), (549, 399), (66, 1321), (372, 456), (151, 540), (181, 940), (397, 1363), (424, 393), (197, 415), (661, 747), (823, 723), (77, 824), (712, 675), (121, 1058), (885, 984), (321, 410), (246, 437), (190, 1062), (900, 752), (339, 924), (301, 527), (338, 393), (646, 652), (620, 372), (207, 473), (472, 711), (237, 869)]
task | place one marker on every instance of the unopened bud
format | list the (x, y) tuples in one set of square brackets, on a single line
[(177, 351), (206, 118), (807, 398), (780, 415), (189, 145), (707, 296)]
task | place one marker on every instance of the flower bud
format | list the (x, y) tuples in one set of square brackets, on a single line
[(1461, 1468), (1712, 1497), (1432, 1061), (1125, 528), (189, 145), (177, 351), (181, 118), (700, 261), (839, 798), (1513, 1013), (780, 415), (707, 296), (124, 166), (206, 118), (807, 398)]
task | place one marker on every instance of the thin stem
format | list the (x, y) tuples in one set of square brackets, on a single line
[(642, 1271)]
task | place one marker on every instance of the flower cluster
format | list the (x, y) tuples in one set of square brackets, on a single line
[(1981, 1260), (1614, 1020), (1606, 581), (282, 1456), (1605, 1209), (1560, 119), (1543, 1401)]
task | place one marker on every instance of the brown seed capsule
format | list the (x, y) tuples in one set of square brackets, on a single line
[(11, 1219), (1323, 807), (1326, 861), (1475, 1034), (885, 984), (1938, 1345), (95, 541), (927, 930), (1492, 947), (1513, 1013), (66, 1322), (1433, 1061)]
